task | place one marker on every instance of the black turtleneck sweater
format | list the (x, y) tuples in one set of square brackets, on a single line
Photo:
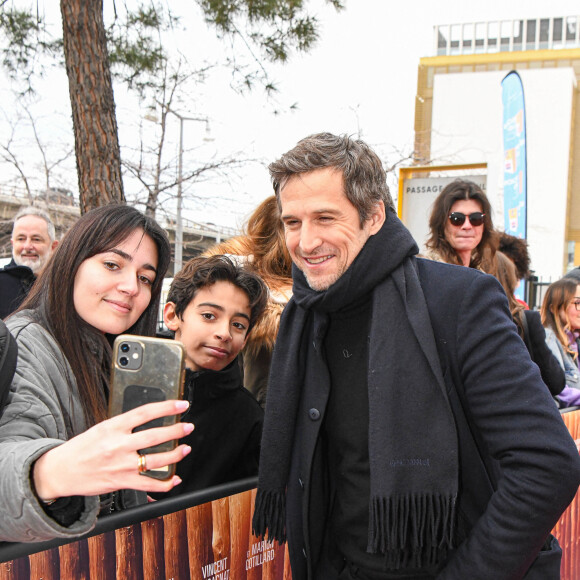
[(225, 444)]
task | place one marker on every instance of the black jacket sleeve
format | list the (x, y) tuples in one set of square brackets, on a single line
[(518, 428), (552, 373)]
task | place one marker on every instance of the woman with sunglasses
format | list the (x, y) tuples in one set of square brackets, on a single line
[(561, 319), (461, 230), (62, 461)]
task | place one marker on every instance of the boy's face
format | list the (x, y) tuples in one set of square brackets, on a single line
[(214, 326)]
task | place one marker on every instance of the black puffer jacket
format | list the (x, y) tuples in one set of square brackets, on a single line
[(15, 283), (8, 356)]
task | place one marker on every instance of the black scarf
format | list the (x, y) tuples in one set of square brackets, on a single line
[(412, 437)]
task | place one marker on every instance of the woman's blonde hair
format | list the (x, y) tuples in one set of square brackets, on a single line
[(558, 297), (264, 244)]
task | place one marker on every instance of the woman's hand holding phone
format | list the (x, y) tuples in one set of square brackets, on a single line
[(105, 458)]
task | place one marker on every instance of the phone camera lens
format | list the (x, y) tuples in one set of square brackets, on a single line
[(125, 347), (123, 361)]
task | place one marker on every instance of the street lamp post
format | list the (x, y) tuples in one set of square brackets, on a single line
[(178, 260)]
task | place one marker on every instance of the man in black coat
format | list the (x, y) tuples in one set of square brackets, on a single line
[(407, 433), (33, 241)]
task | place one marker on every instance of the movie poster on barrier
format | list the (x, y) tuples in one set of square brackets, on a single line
[(515, 165), (210, 541), (418, 195)]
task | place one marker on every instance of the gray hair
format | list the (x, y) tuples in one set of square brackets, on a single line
[(36, 211), (365, 180)]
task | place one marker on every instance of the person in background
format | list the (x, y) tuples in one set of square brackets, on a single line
[(212, 307), (397, 441), (33, 241), (461, 228), (262, 249), (516, 249), (574, 274), (529, 324), (561, 319), (62, 462)]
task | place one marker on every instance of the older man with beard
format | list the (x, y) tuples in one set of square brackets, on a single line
[(33, 241)]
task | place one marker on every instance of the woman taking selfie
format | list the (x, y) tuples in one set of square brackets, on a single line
[(62, 461), (561, 319), (461, 230)]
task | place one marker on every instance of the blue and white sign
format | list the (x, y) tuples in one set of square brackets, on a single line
[(514, 155)]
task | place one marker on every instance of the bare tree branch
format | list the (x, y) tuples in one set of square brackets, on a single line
[(9, 157)]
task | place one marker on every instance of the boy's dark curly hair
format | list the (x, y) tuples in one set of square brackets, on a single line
[(516, 249), (202, 272)]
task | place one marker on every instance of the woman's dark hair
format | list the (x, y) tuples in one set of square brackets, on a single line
[(52, 297), (483, 255), (517, 250), (202, 272)]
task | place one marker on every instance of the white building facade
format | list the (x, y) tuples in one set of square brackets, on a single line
[(459, 120)]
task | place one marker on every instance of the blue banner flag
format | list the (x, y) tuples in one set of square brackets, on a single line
[(514, 155)]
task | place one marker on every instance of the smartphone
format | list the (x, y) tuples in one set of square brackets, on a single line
[(147, 370)]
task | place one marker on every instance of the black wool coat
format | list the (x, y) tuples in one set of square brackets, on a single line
[(519, 467)]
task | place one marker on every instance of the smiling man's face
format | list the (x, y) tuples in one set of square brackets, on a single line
[(322, 227), (31, 243)]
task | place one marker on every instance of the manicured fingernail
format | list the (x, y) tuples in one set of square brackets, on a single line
[(188, 428), (186, 450), (176, 480), (182, 406)]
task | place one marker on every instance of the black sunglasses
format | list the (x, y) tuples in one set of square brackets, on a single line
[(458, 219)]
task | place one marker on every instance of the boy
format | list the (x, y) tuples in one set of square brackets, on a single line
[(212, 306)]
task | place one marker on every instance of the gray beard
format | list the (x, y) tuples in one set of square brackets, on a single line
[(34, 265)]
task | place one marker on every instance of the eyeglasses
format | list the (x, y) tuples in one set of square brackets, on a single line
[(458, 219), (577, 304)]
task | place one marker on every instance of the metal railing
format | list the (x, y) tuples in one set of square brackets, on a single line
[(554, 33), (536, 287)]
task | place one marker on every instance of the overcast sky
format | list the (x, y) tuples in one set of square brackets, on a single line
[(360, 77)]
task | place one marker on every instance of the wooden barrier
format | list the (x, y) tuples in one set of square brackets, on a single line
[(211, 541), (567, 529)]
